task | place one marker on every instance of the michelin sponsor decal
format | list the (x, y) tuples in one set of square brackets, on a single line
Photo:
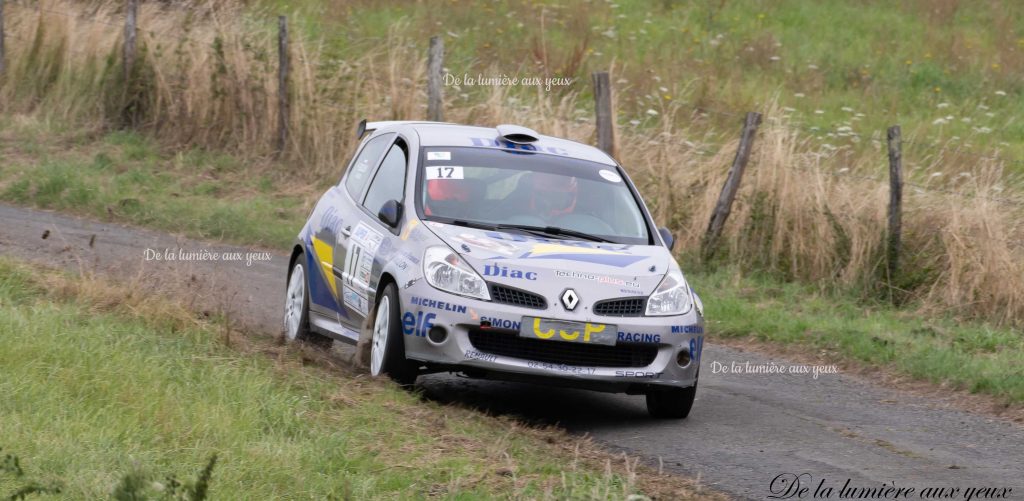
[(687, 329), (437, 305)]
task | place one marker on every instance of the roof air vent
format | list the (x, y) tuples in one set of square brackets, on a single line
[(517, 134)]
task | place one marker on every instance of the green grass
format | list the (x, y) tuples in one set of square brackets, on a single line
[(125, 177), (91, 394), (835, 63), (972, 356)]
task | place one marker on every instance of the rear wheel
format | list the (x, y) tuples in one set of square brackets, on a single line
[(296, 310), (387, 346), (671, 403)]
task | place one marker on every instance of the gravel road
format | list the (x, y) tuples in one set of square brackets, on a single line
[(745, 429)]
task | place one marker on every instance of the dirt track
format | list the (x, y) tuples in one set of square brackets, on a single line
[(744, 431)]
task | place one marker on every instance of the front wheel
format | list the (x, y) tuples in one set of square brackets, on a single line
[(387, 347), (296, 310), (671, 403)]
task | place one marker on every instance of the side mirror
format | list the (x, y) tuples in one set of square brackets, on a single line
[(666, 235), (390, 213)]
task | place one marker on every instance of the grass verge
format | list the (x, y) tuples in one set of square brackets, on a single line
[(102, 386)]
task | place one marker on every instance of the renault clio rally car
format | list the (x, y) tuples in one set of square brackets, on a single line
[(496, 253)]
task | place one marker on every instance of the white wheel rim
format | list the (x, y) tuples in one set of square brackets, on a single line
[(380, 335), (294, 302)]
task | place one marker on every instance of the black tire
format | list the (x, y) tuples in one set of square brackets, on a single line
[(671, 403), (300, 332), (392, 357)]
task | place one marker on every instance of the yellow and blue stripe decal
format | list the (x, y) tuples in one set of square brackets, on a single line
[(582, 254)]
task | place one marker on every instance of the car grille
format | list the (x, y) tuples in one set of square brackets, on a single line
[(509, 344), (624, 307), (517, 297)]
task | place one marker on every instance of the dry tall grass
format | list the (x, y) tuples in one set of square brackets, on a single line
[(808, 212)]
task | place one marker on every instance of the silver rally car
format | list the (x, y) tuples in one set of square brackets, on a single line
[(496, 253)]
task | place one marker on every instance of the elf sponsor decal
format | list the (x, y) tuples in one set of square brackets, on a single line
[(638, 374), (696, 347), (363, 246), (495, 270), (501, 323), (437, 305), (639, 337), (479, 355), (687, 329), (418, 324), (603, 279)]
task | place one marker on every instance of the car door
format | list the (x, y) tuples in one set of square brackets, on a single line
[(370, 237), (331, 224)]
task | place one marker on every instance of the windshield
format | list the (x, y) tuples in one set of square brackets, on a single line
[(495, 187)]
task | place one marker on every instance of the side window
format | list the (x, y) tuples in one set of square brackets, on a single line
[(389, 183), (363, 165)]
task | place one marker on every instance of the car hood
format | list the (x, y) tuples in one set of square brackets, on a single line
[(521, 259)]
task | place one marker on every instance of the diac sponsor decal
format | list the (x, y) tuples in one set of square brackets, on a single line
[(496, 270), (437, 305), (418, 324)]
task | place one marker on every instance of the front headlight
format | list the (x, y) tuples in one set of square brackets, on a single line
[(672, 297), (444, 270)]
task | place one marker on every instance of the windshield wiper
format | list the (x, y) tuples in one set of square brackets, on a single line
[(552, 230), (537, 230)]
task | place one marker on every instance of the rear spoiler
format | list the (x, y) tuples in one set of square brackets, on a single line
[(365, 127)]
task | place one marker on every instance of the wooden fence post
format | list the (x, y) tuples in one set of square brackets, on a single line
[(603, 111), (435, 94), (283, 105), (732, 185), (3, 60), (130, 20), (895, 199)]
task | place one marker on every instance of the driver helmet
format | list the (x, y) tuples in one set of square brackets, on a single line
[(553, 194)]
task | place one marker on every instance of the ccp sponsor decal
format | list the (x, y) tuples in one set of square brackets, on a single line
[(418, 324)]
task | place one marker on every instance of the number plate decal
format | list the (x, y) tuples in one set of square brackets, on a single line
[(573, 332), (444, 172)]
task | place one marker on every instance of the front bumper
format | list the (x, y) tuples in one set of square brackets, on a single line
[(648, 351)]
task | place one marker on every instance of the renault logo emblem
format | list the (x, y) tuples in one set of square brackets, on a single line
[(570, 299)]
